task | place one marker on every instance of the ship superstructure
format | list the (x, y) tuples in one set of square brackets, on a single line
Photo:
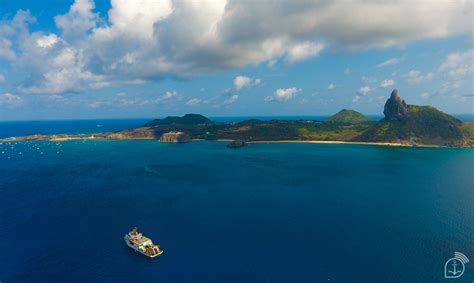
[(142, 244)]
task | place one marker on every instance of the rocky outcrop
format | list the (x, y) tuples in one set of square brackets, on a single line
[(175, 137), (395, 108), (236, 144)]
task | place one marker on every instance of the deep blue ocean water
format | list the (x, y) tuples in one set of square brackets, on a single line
[(272, 212)]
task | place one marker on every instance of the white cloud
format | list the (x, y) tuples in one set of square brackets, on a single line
[(137, 18), (47, 41), (389, 62), (10, 100), (387, 83), (269, 98), (365, 90), (285, 94), (169, 94), (331, 86), (149, 40), (242, 81), (416, 77), (6, 52), (368, 80), (304, 51), (458, 65), (79, 20), (194, 102), (2, 78), (347, 71), (356, 99), (457, 70)]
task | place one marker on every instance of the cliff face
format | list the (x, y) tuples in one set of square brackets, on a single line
[(395, 108), (175, 137)]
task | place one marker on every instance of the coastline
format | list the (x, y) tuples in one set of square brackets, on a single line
[(341, 142), (106, 137), (346, 142)]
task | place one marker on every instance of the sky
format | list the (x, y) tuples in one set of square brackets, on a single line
[(87, 59)]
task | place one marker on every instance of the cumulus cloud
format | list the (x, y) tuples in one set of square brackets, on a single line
[(392, 61), (6, 52), (284, 94), (147, 40), (331, 86), (2, 78), (77, 22), (416, 77), (387, 83), (243, 81), (10, 100), (304, 51), (365, 90), (47, 41)]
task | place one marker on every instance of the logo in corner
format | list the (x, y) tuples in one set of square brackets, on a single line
[(454, 267)]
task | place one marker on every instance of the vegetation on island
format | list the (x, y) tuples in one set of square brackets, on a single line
[(188, 119), (349, 117), (402, 124)]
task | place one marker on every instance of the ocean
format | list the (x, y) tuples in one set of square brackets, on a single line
[(268, 212)]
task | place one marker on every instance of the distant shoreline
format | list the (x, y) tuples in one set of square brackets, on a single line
[(393, 144), (100, 137), (344, 142)]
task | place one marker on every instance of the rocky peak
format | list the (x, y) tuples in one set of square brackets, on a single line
[(395, 108)]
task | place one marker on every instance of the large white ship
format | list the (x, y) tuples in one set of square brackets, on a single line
[(142, 244)]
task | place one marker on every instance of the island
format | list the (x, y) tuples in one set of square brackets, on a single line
[(403, 125)]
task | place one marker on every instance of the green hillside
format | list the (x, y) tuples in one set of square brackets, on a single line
[(420, 125), (346, 116), (188, 119)]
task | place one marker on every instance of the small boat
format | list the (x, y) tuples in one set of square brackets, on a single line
[(135, 240)]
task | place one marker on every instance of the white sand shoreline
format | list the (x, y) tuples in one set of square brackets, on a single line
[(340, 142)]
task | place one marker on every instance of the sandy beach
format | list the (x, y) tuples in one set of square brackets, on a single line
[(344, 142)]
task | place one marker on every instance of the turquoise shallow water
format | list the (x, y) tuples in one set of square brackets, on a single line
[(286, 212)]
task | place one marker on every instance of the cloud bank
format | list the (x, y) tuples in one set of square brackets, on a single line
[(140, 41)]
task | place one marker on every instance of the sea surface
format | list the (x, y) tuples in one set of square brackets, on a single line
[(269, 212)]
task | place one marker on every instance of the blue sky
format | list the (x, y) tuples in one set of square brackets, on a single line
[(119, 59)]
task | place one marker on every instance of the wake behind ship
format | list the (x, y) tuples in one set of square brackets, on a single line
[(135, 240)]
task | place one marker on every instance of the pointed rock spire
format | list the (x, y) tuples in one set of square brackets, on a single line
[(395, 108)]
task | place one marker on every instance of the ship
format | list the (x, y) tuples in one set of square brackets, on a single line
[(135, 240)]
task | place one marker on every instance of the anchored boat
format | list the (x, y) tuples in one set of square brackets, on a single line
[(142, 244)]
